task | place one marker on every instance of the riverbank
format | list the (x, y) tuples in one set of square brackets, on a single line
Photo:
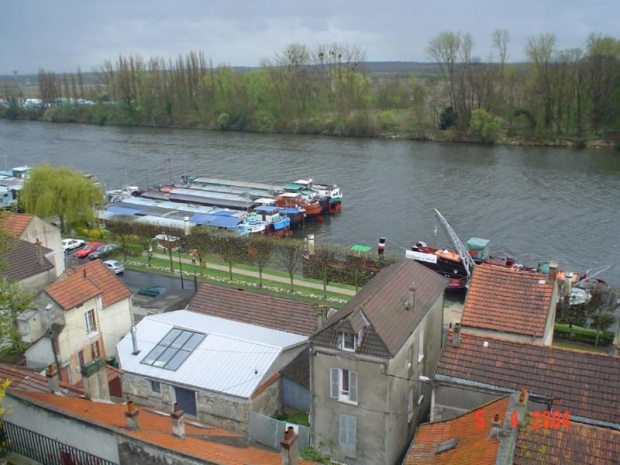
[(364, 125)]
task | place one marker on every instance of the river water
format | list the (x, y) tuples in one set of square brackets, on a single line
[(535, 204)]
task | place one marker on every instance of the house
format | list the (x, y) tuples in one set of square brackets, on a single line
[(517, 305), (218, 370), (58, 428), (31, 228), (474, 370), (292, 316), (31, 266), (503, 432), (81, 316), (369, 365)]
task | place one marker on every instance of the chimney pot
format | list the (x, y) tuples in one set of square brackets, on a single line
[(496, 427), (523, 397), (178, 421), (53, 381), (39, 252), (290, 454), (132, 416), (456, 335)]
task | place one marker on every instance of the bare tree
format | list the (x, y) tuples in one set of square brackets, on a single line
[(290, 254), (261, 249)]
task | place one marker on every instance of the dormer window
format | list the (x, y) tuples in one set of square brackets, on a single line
[(349, 341)]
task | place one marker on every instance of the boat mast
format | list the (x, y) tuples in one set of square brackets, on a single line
[(468, 262)]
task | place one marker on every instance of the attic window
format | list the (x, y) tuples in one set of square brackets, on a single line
[(349, 341), (446, 445)]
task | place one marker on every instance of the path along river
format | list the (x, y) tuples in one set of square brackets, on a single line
[(535, 204)]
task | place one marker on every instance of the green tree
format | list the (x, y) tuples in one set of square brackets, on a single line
[(123, 232), (261, 250), (231, 248), (484, 125), (324, 258), (289, 254), (13, 300), (62, 191), (601, 308), (201, 241)]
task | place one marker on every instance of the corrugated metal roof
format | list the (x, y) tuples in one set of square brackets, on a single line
[(159, 221), (166, 205), (215, 221), (266, 209), (232, 359), (124, 210)]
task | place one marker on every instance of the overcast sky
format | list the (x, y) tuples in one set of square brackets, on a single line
[(62, 34)]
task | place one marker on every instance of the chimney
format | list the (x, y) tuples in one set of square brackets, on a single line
[(53, 380), (496, 427), (132, 416), (523, 396), (553, 272), (411, 301), (321, 316), (456, 335), (134, 341), (289, 447), (95, 380), (178, 425), (39, 252)]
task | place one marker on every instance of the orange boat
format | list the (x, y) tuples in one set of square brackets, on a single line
[(312, 208)]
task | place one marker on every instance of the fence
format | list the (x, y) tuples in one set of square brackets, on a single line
[(270, 432), (43, 449)]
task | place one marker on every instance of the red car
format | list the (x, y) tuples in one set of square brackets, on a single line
[(87, 249)]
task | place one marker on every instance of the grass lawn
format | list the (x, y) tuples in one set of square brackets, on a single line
[(579, 346)]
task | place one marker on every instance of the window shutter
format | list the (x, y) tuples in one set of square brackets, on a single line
[(352, 433), (353, 386), (343, 430), (340, 340), (334, 382)]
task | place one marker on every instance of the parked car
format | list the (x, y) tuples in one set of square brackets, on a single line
[(153, 291), (102, 250), (72, 244), (115, 266), (87, 249)]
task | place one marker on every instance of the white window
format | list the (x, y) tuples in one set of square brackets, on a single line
[(91, 325), (155, 387), (349, 341), (343, 385), (348, 434), (421, 346), (410, 404)]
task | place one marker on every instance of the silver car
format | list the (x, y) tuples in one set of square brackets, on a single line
[(115, 266)]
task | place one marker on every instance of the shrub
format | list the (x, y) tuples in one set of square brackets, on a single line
[(485, 125), (263, 121), (387, 120), (585, 335), (223, 120), (359, 125)]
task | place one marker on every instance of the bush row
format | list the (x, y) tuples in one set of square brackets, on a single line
[(585, 335)]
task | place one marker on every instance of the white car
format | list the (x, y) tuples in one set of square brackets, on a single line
[(72, 244), (115, 266)]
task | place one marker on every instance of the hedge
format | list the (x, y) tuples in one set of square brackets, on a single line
[(578, 334)]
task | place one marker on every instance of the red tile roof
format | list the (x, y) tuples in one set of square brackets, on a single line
[(16, 223), (577, 444), (501, 299), (72, 290), (473, 446), (253, 308), (84, 283), (201, 442), (26, 380), (584, 383)]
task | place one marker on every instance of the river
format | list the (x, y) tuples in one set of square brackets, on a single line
[(535, 204)]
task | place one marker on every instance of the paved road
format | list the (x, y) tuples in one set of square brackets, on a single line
[(136, 280)]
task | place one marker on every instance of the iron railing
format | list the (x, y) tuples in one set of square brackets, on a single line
[(43, 449)]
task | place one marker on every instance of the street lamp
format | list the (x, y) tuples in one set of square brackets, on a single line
[(181, 268)]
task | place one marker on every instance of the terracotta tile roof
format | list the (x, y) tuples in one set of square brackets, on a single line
[(113, 288), (203, 443), (577, 444), (29, 381), (473, 446), (15, 223), (71, 290), (501, 299), (86, 282), (584, 383), (22, 263), (257, 309), (382, 301)]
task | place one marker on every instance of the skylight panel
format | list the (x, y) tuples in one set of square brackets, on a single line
[(173, 349)]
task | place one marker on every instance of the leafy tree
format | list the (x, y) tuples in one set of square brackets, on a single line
[(62, 191), (261, 250), (601, 308), (485, 125), (123, 232), (13, 300), (201, 241), (289, 254), (324, 258), (231, 248), (145, 234), (448, 118)]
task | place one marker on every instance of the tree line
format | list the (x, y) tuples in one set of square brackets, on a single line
[(324, 262), (555, 93)]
